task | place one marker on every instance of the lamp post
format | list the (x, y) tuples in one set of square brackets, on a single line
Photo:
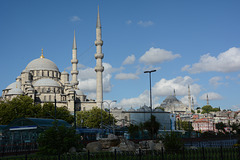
[(55, 105), (150, 87), (150, 96), (109, 104)]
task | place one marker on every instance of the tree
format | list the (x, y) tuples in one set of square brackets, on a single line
[(92, 118), (160, 108), (220, 127), (152, 126), (133, 130), (173, 143), (209, 108), (57, 140), (22, 106)]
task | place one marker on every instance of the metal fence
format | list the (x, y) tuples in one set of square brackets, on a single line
[(214, 144), (201, 153)]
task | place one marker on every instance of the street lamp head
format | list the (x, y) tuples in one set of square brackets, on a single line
[(150, 71)]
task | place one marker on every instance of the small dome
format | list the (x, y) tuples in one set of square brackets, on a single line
[(79, 92), (158, 110), (15, 91), (41, 64), (46, 82), (64, 73), (131, 109), (14, 85)]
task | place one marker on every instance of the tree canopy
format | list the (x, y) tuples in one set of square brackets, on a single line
[(209, 108), (57, 140), (92, 118), (23, 106)]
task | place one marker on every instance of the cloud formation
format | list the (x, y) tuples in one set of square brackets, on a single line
[(215, 81), (75, 19), (157, 55), (145, 23), (87, 80), (165, 87), (228, 61), (211, 96), (129, 60), (128, 22), (125, 76)]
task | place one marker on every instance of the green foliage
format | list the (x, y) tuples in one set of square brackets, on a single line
[(184, 125), (92, 118), (57, 140), (209, 108), (173, 143), (160, 108), (193, 111), (220, 127), (152, 126), (198, 111), (133, 130), (22, 106)]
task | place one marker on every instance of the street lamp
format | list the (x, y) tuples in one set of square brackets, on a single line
[(109, 103), (150, 87)]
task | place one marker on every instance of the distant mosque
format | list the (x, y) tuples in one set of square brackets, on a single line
[(43, 82), (173, 105)]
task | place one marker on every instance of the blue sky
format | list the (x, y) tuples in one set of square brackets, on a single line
[(194, 43)]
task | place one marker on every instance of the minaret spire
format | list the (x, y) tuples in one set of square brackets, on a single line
[(174, 93), (189, 99), (42, 54), (99, 68), (74, 62), (207, 100), (74, 42)]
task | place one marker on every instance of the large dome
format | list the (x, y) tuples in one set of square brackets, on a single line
[(46, 82), (42, 64)]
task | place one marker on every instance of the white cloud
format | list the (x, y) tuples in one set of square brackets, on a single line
[(228, 61), (145, 23), (135, 102), (87, 80), (157, 55), (129, 60), (180, 84), (185, 100), (129, 22), (215, 81), (211, 96), (124, 76), (75, 19)]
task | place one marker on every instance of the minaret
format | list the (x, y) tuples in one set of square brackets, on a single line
[(74, 62), (99, 68), (192, 104), (174, 93), (189, 99), (207, 100)]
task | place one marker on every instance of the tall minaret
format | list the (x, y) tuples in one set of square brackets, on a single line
[(74, 62), (207, 100), (99, 68), (189, 99), (192, 104)]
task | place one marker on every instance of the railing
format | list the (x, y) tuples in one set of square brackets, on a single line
[(183, 154)]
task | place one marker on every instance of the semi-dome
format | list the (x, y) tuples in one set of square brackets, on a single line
[(46, 82), (14, 85), (42, 64), (15, 91), (171, 99)]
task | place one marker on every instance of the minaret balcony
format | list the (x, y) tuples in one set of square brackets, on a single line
[(98, 42), (74, 61), (99, 56), (74, 72), (99, 69)]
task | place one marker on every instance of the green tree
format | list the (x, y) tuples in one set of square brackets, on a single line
[(92, 118), (133, 130), (234, 127), (57, 140), (173, 143), (152, 126), (209, 108), (22, 106), (160, 108), (220, 127)]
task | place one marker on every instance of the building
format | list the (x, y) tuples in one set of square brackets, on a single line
[(141, 115), (43, 82)]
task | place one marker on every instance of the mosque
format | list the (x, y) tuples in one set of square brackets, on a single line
[(43, 82)]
